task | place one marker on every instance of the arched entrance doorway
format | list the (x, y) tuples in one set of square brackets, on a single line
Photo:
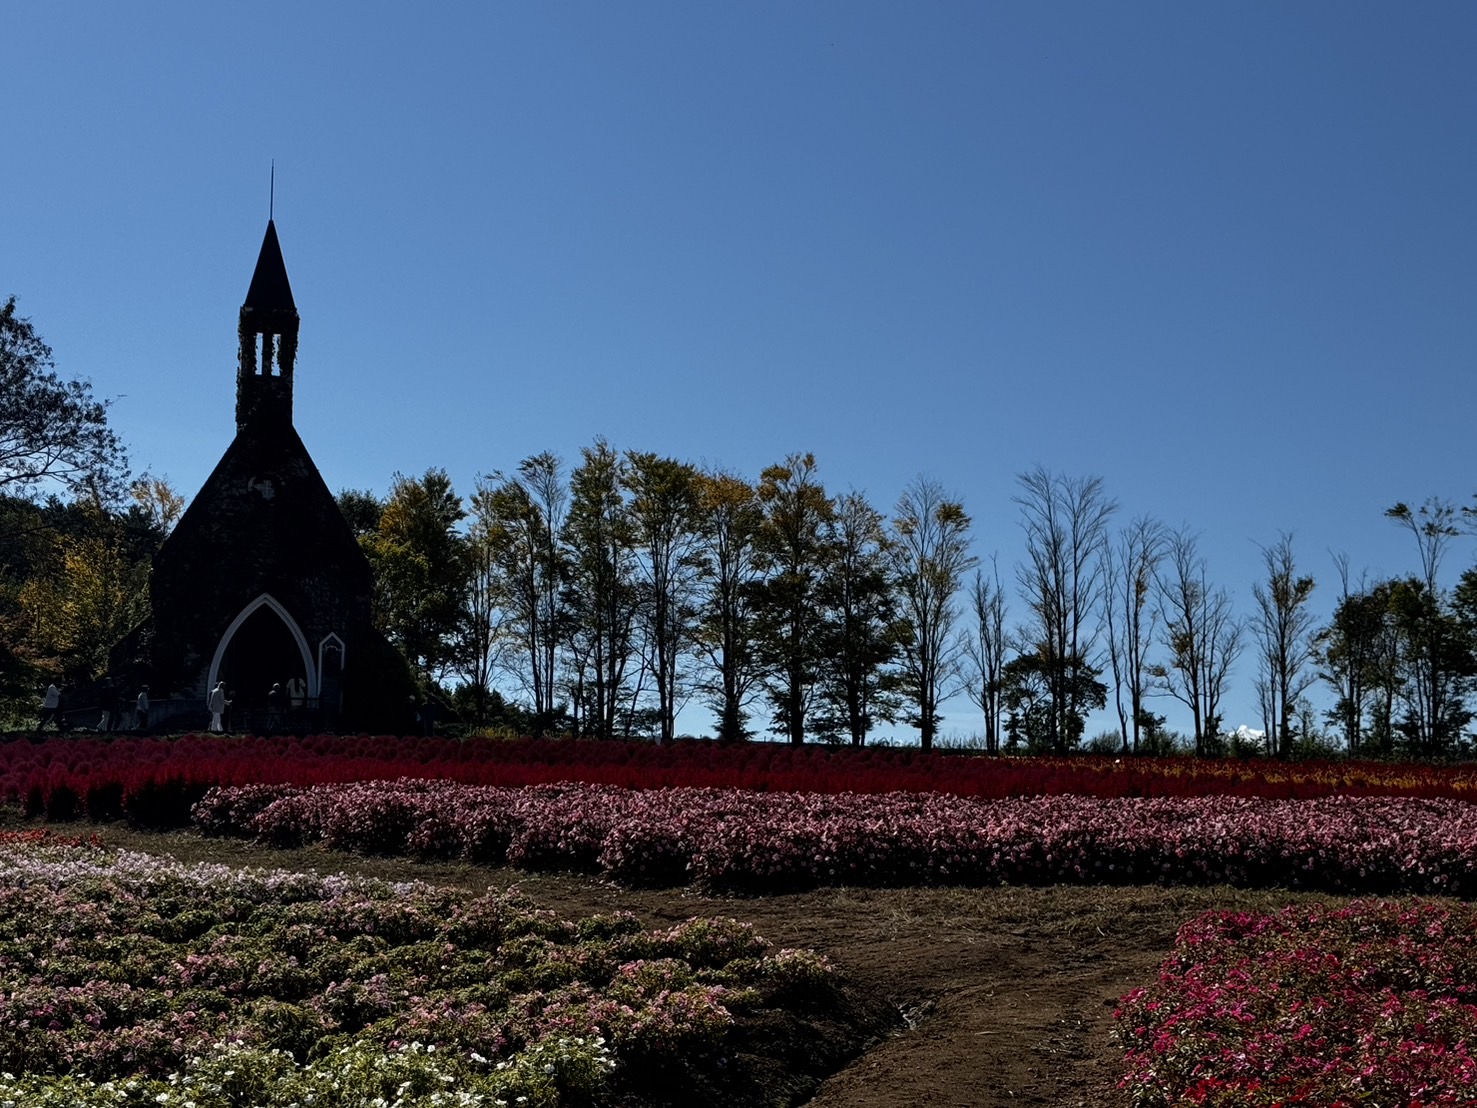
[(262, 647)]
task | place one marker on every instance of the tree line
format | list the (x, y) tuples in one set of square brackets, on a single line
[(608, 596), (605, 597), (611, 594)]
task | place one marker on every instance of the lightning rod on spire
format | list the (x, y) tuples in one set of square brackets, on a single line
[(272, 193)]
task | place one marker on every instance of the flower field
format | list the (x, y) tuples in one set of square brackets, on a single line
[(154, 781), (130, 980), (731, 840), (127, 979), (1372, 1003)]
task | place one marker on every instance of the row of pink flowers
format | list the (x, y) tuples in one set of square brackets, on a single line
[(1371, 1003), (730, 839)]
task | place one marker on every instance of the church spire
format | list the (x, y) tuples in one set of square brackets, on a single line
[(268, 334)]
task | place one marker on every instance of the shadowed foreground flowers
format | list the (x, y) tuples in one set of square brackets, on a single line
[(128, 979), (1372, 1003)]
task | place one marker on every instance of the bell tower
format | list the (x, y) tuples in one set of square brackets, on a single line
[(268, 333)]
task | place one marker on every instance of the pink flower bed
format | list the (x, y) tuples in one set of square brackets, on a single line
[(1373, 1003), (732, 840)]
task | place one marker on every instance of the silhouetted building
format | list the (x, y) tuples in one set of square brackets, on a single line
[(262, 581)]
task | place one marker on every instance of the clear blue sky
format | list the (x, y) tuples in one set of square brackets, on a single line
[(1223, 256)]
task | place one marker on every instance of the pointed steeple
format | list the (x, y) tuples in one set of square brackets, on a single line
[(269, 289), (268, 334)]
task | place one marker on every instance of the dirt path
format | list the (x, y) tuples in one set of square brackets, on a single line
[(1006, 994)]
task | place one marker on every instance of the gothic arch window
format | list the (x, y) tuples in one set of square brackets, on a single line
[(257, 618), (330, 645)]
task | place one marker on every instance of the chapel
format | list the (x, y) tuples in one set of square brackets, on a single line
[(262, 581)]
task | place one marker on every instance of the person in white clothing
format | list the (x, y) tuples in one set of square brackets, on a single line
[(217, 705), (49, 704), (141, 708)]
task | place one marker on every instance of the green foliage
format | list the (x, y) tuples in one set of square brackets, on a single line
[(861, 628), (602, 596), (1035, 720), (517, 522), (419, 562), (731, 518), (795, 554), (53, 433)]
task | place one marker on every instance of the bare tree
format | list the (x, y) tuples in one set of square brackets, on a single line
[(1283, 628), (1066, 521), (1201, 633), (1433, 525), (985, 649), (930, 551), (1129, 570)]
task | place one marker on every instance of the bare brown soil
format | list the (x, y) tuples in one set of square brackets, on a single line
[(1005, 996)]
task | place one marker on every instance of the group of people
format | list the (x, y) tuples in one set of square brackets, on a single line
[(112, 701)]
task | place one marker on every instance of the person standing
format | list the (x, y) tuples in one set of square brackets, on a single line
[(216, 702), (276, 701), (50, 702), (105, 706), (141, 708)]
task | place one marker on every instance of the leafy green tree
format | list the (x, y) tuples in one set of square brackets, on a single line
[(521, 516), (419, 559), (930, 556), (1032, 685), (731, 519), (602, 594), (53, 433), (94, 593), (796, 554), (1360, 656), (857, 605), (1438, 653), (1438, 669), (361, 510), (665, 527)]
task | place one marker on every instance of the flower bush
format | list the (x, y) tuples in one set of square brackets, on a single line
[(1371, 1003), (736, 841), (153, 781), (127, 979)]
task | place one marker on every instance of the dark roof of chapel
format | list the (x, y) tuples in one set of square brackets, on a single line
[(269, 289)]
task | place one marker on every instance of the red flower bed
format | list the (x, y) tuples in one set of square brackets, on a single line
[(1372, 1003), (155, 780)]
